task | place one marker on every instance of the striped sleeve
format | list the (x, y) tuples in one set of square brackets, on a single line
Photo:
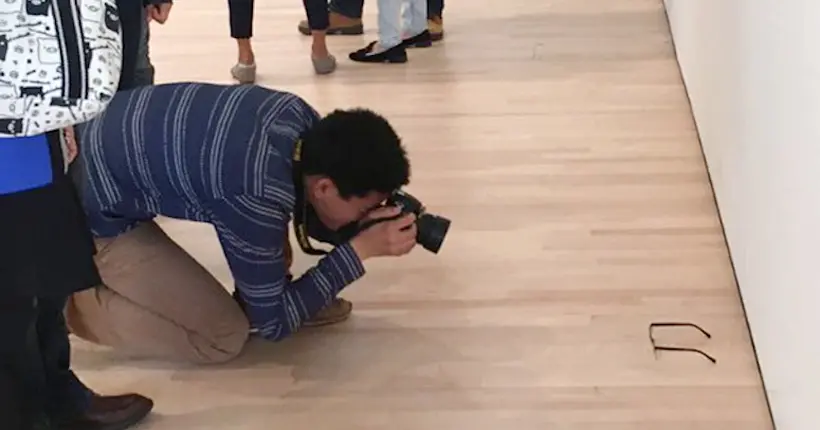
[(253, 232)]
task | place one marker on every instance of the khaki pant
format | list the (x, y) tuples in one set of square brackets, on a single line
[(158, 302)]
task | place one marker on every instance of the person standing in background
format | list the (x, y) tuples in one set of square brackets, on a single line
[(346, 18), (46, 250), (241, 25), (402, 24), (154, 11)]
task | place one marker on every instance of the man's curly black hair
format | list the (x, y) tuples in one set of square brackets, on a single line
[(358, 150)]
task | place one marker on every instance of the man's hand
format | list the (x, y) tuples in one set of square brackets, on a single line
[(395, 237), (70, 145), (158, 12)]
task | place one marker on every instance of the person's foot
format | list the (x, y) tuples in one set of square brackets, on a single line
[(244, 73), (340, 25), (436, 27), (324, 65), (421, 40), (373, 53), (108, 413), (338, 311)]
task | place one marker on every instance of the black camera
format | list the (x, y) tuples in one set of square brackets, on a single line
[(430, 229)]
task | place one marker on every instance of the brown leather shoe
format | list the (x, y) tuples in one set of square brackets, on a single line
[(109, 413), (340, 25), (336, 312)]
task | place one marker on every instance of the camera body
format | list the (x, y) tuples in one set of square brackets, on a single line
[(431, 229)]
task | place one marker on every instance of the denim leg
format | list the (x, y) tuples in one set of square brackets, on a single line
[(390, 23), (67, 396), (414, 17), (349, 8), (144, 74)]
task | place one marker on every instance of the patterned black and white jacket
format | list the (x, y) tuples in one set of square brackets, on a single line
[(60, 63)]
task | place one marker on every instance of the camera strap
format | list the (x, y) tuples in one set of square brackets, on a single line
[(300, 206)]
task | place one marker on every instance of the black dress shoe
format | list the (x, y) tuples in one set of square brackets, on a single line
[(108, 413), (421, 40), (396, 54)]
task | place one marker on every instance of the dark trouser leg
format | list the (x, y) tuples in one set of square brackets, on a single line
[(241, 20), (144, 74), (349, 8), (241, 17), (317, 14), (435, 24), (67, 396), (435, 8), (131, 22), (344, 17), (22, 381)]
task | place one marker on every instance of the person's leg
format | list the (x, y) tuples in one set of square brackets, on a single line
[(68, 395), (390, 47), (435, 19), (22, 381), (319, 21), (389, 19), (144, 74), (345, 18), (241, 23), (70, 404), (158, 302), (414, 17), (131, 15), (349, 8), (47, 251)]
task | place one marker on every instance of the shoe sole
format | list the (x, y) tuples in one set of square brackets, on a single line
[(326, 321), (420, 45), (334, 319), (133, 421), (353, 30)]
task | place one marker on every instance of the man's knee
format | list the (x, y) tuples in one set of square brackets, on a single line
[(221, 342), (104, 317)]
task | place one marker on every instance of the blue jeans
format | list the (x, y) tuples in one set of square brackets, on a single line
[(399, 18)]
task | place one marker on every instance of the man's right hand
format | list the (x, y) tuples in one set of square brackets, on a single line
[(387, 238)]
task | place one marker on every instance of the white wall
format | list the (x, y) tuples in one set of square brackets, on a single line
[(752, 70)]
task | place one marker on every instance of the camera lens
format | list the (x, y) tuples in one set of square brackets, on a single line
[(432, 230)]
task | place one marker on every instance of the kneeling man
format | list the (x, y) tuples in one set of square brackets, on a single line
[(245, 159)]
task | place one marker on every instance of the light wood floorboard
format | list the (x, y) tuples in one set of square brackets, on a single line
[(557, 136)]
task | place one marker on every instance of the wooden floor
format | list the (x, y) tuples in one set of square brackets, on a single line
[(557, 136)]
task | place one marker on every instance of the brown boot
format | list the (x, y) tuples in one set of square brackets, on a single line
[(436, 27), (339, 25), (108, 413), (338, 311)]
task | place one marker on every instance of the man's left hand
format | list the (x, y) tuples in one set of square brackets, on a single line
[(158, 12), (70, 145)]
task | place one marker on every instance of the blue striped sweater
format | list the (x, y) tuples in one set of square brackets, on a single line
[(222, 155)]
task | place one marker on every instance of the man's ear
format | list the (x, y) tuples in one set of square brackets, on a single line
[(323, 187)]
